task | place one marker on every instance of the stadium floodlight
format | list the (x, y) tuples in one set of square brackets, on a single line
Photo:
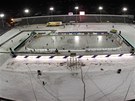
[(124, 9), (51, 8), (26, 11), (2, 15), (76, 7), (100, 8)]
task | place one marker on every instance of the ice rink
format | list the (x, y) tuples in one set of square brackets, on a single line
[(73, 42), (67, 79)]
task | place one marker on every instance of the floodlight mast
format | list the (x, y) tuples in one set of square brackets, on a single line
[(51, 10), (27, 11), (124, 9), (76, 9), (2, 15), (100, 8)]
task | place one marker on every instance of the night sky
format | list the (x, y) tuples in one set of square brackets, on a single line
[(41, 7)]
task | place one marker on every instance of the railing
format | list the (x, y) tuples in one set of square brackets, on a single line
[(72, 50), (95, 18)]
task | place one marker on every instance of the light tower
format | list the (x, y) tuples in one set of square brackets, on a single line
[(2, 15), (100, 8), (27, 11), (76, 9), (124, 9), (51, 10)]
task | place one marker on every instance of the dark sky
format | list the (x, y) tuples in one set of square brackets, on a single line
[(15, 8)]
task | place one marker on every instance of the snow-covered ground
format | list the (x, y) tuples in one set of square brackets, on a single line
[(87, 79), (19, 79)]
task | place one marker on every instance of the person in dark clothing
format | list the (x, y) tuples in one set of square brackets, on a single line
[(44, 83), (39, 73)]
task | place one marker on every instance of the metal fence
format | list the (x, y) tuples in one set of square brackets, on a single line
[(3, 26), (93, 18)]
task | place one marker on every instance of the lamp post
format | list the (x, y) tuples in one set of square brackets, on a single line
[(51, 10), (100, 8), (27, 11), (76, 8), (124, 9), (2, 15)]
